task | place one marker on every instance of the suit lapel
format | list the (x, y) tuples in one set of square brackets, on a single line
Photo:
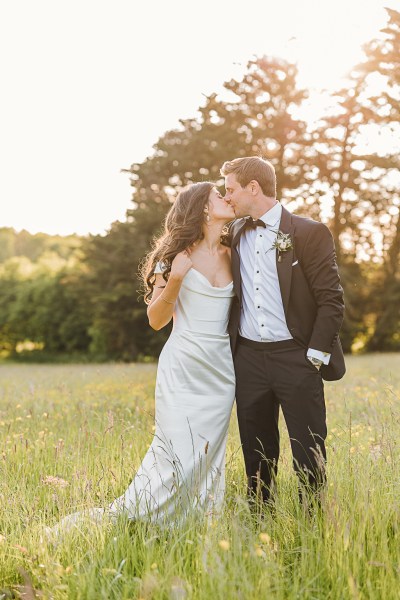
[(237, 229), (284, 267)]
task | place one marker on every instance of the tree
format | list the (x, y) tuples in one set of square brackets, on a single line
[(119, 328), (42, 303), (383, 58), (257, 119)]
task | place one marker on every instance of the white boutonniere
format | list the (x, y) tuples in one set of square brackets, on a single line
[(283, 243)]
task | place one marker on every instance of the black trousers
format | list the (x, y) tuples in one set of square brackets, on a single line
[(270, 376)]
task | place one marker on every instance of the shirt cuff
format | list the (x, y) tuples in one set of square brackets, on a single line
[(323, 356)]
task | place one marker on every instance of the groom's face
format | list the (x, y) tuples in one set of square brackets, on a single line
[(239, 198)]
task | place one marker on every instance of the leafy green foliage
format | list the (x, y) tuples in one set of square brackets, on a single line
[(84, 295)]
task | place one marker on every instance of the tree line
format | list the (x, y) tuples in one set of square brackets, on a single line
[(82, 296)]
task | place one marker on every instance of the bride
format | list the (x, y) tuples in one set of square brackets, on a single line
[(188, 279)]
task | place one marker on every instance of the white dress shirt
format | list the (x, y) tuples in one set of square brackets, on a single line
[(262, 317)]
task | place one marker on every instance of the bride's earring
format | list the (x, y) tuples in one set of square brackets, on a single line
[(207, 217)]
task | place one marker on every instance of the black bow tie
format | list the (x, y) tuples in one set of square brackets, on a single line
[(251, 224)]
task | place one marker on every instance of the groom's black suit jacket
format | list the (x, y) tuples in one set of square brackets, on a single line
[(311, 292)]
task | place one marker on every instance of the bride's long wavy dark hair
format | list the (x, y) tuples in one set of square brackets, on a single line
[(183, 226)]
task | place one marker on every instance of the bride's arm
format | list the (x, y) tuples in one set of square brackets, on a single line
[(162, 303)]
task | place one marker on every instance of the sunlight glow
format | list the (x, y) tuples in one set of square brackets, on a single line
[(89, 88)]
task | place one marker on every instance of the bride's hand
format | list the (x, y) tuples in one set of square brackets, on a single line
[(181, 264)]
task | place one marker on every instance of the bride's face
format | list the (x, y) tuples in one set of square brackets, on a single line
[(218, 208)]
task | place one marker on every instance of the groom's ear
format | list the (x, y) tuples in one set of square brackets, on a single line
[(254, 187)]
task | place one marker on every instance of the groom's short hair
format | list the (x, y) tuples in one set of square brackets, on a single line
[(251, 168)]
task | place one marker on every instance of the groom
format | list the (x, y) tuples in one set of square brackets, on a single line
[(284, 327)]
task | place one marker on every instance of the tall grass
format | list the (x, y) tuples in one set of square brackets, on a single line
[(71, 437)]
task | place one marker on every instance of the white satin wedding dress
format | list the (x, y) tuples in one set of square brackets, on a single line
[(184, 468)]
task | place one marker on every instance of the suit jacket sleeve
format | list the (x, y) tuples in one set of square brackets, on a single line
[(320, 268)]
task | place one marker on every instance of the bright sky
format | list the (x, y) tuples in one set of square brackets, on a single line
[(88, 86)]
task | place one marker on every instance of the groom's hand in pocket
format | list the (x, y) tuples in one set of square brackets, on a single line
[(315, 362)]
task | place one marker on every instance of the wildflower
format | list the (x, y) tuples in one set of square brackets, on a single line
[(224, 544), (57, 481), (178, 589), (148, 586), (109, 571), (376, 452), (264, 537)]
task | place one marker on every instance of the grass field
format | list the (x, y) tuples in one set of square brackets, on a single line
[(72, 436)]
